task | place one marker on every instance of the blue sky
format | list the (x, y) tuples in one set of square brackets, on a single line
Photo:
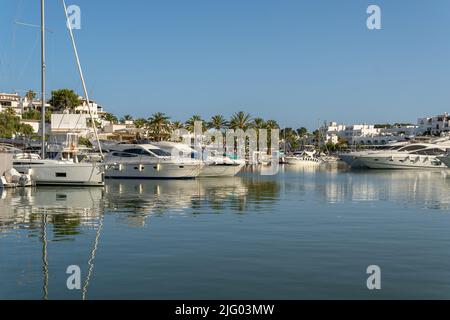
[(293, 61)]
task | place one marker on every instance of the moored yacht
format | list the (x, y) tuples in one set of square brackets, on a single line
[(214, 165), (411, 156), (64, 169), (146, 161), (303, 158)]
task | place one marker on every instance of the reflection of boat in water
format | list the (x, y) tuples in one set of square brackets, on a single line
[(66, 212), (145, 197), (24, 205), (427, 188)]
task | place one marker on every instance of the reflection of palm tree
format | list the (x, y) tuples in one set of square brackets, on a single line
[(159, 126), (240, 120)]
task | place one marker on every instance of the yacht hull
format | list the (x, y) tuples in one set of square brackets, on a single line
[(403, 163), (352, 160), (221, 170), (153, 171), (52, 172), (302, 161)]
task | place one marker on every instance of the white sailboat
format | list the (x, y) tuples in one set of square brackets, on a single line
[(61, 171)]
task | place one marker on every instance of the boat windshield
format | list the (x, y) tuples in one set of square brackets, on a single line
[(160, 153), (412, 148)]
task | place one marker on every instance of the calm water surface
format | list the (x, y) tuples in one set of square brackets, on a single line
[(302, 234)]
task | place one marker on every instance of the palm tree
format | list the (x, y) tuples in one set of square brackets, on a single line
[(240, 120), (159, 126), (140, 123), (176, 125), (31, 95), (258, 123), (302, 132), (218, 122), (272, 124), (190, 123), (110, 118), (126, 118)]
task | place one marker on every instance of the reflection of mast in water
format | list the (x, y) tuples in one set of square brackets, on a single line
[(44, 256), (91, 259)]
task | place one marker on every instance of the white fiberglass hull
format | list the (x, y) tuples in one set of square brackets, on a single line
[(402, 162), (153, 171), (353, 159), (445, 160), (221, 170), (302, 161), (54, 172)]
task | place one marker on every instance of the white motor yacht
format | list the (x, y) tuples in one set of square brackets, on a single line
[(303, 158), (352, 158), (214, 165), (146, 161), (411, 156)]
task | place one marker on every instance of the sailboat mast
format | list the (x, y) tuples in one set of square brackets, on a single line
[(80, 71), (43, 76)]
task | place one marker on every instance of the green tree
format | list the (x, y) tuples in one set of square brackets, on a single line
[(140, 123), (31, 114), (64, 99), (240, 120), (190, 123), (302, 132), (159, 126), (126, 118), (11, 126), (31, 95), (218, 122), (176, 125), (290, 138), (110, 118)]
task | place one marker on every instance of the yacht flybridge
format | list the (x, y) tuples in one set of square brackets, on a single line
[(146, 161), (410, 156)]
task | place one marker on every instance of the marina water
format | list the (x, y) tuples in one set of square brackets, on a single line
[(304, 233)]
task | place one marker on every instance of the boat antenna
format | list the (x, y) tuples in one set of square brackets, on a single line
[(43, 76), (80, 70)]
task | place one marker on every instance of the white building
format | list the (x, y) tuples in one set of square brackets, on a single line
[(365, 134), (10, 100), (95, 109), (434, 125)]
